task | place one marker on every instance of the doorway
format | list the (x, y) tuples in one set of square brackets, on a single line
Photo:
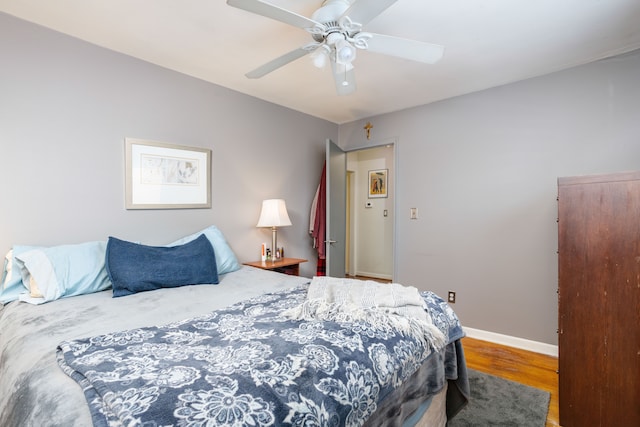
[(370, 216)]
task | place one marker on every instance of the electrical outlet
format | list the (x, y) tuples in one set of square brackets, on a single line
[(452, 297)]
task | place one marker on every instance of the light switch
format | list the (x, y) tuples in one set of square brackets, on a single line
[(413, 213)]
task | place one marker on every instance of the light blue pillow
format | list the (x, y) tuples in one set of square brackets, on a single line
[(11, 285), (225, 258), (64, 271)]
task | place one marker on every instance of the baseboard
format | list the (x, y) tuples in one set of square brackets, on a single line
[(374, 275), (521, 343)]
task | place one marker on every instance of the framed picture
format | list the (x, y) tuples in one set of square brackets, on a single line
[(166, 176), (378, 183)]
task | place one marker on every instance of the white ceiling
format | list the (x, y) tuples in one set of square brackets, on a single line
[(488, 43)]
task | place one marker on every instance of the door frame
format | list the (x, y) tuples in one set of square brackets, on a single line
[(393, 179)]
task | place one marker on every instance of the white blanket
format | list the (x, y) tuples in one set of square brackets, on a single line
[(385, 305)]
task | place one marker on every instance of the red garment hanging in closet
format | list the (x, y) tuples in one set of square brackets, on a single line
[(318, 227)]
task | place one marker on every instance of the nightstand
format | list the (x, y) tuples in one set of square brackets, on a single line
[(289, 266)]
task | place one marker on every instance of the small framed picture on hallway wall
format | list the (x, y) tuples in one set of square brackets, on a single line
[(378, 180)]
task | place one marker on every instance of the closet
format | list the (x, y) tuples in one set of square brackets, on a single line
[(599, 300)]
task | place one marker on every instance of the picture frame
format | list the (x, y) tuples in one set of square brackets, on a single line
[(159, 175), (378, 183)]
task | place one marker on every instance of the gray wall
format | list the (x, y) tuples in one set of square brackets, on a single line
[(480, 168), (66, 107), (482, 171)]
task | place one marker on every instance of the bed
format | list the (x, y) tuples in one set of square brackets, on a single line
[(238, 352)]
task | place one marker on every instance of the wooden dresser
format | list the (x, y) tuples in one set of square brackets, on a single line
[(599, 300)]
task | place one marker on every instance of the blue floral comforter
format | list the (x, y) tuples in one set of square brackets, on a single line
[(248, 366)]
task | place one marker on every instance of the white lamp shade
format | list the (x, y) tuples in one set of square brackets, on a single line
[(274, 214)]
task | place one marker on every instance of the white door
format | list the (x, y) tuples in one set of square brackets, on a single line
[(336, 205)]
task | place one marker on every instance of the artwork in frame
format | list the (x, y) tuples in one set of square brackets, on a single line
[(378, 183), (166, 176)]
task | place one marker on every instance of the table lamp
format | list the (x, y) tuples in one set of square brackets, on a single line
[(274, 214)]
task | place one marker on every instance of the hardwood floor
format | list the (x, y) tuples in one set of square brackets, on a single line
[(534, 369), (526, 367), (375, 279)]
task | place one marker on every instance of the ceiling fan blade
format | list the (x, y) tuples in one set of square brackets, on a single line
[(414, 50), (274, 12), (363, 11), (280, 62), (344, 77)]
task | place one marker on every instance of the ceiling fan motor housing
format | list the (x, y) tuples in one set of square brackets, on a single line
[(330, 10), (335, 33)]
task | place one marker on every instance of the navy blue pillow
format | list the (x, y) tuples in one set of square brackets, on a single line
[(137, 268)]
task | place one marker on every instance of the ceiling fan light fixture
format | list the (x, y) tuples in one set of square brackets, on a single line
[(345, 52), (320, 56)]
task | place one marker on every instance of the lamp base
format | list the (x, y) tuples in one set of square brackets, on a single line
[(274, 241)]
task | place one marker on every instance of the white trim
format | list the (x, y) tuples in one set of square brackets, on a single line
[(374, 275), (524, 344)]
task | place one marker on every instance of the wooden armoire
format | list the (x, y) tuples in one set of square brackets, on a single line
[(599, 300)]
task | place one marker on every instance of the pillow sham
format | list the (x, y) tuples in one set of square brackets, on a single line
[(11, 285), (133, 267), (63, 271), (226, 260)]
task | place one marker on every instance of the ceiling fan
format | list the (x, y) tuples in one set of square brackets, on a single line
[(336, 29)]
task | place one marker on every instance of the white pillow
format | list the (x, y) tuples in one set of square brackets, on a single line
[(11, 285)]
